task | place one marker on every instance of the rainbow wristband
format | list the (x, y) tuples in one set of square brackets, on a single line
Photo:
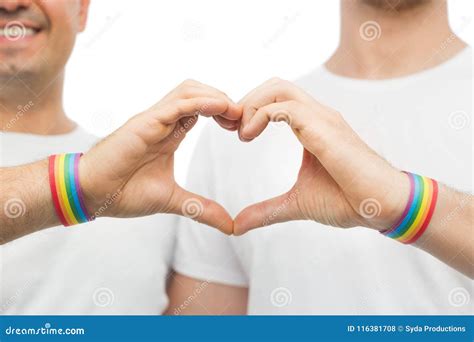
[(66, 190), (418, 211)]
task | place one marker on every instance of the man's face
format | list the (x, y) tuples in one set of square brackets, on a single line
[(37, 36)]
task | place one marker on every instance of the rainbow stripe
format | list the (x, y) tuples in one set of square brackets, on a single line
[(65, 189), (418, 211)]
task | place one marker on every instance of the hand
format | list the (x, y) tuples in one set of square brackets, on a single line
[(341, 182), (130, 173)]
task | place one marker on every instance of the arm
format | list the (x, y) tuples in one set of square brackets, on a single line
[(129, 173), (189, 296), (450, 235), (26, 198), (344, 183)]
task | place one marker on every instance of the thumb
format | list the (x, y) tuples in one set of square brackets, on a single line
[(201, 209), (275, 210)]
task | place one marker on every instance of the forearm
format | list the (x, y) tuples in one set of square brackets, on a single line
[(127, 174), (450, 234), (26, 201)]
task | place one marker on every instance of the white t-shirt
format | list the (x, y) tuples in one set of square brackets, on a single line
[(421, 123), (108, 266)]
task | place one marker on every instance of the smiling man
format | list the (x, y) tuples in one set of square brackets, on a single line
[(403, 81), (106, 266)]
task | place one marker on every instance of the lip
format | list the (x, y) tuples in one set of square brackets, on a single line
[(23, 31), (24, 23)]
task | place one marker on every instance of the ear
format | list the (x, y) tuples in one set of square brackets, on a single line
[(83, 11)]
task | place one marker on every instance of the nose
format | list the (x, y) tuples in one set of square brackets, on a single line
[(13, 5)]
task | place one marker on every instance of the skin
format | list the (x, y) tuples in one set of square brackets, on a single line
[(35, 72), (129, 173), (339, 173), (412, 33), (147, 143), (143, 169), (334, 162), (32, 69)]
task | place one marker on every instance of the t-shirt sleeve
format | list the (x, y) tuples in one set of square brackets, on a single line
[(203, 252)]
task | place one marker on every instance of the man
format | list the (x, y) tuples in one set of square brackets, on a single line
[(107, 266), (402, 80)]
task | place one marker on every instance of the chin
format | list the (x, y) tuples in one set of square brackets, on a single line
[(15, 68)]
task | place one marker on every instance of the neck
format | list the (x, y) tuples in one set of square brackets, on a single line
[(27, 107), (380, 43)]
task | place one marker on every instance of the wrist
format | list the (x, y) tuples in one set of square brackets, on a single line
[(66, 190), (396, 199), (392, 203), (418, 211), (92, 192)]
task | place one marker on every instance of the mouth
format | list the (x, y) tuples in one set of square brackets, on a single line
[(13, 31)]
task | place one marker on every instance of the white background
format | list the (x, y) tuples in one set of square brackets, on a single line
[(134, 52)]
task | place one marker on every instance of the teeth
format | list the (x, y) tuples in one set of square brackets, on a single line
[(15, 32)]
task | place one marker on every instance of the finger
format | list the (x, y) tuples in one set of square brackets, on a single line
[(191, 88), (292, 112), (183, 126), (188, 123), (253, 93), (273, 90), (249, 110), (203, 106), (276, 210), (202, 210), (233, 112), (156, 124), (230, 125)]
